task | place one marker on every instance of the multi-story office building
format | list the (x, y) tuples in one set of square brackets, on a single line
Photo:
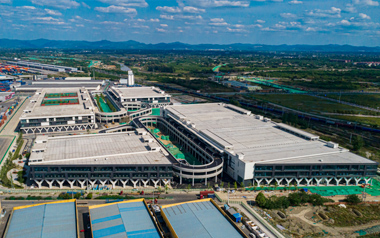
[(136, 98), (57, 110)]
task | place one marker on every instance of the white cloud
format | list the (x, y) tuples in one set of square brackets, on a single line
[(116, 9), (333, 12), (345, 22), (85, 5), (260, 21), (6, 1), (218, 3), (63, 4), (193, 10), (28, 7), (288, 15), (366, 2), (161, 30), (167, 17), (141, 20), (311, 29), (79, 25), (236, 30), (127, 3), (48, 20), (169, 9), (172, 17), (350, 8), (219, 24), (364, 16), (295, 2), (154, 20), (164, 25), (217, 19), (52, 12)]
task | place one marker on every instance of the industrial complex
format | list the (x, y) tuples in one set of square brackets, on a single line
[(34, 65)]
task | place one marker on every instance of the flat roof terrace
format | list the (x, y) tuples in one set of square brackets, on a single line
[(98, 149), (256, 140), (48, 103), (139, 92), (201, 218), (123, 219), (55, 220)]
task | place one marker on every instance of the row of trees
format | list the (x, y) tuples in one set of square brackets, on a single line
[(294, 199)]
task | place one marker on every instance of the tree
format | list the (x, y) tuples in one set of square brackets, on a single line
[(188, 187), (235, 185), (89, 196), (261, 200), (228, 185), (357, 142), (242, 185), (353, 199), (77, 195), (222, 184)]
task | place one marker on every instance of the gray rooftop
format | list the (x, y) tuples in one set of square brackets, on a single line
[(199, 219), (51, 220), (139, 92), (255, 140), (35, 110), (124, 219), (99, 149)]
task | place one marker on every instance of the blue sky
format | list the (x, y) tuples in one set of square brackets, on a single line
[(355, 22)]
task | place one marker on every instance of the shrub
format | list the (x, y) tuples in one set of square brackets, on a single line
[(353, 199), (89, 196)]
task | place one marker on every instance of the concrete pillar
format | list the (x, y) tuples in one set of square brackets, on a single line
[(39, 183), (103, 182), (60, 182), (299, 181), (113, 182), (124, 182), (328, 181), (216, 178), (269, 180), (367, 180), (92, 182), (347, 180), (71, 182), (166, 181), (180, 177), (155, 182), (81, 183), (258, 181), (308, 181), (145, 182), (318, 181), (337, 181), (288, 181), (278, 181), (50, 182), (135, 182), (357, 180)]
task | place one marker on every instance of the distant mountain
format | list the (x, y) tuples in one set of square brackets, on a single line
[(129, 45)]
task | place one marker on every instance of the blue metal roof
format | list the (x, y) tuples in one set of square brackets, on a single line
[(199, 219), (56, 220), (130, 219)]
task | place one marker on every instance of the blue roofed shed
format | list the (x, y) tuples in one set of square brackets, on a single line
[(55, 220), (123, 219), (200, 218)]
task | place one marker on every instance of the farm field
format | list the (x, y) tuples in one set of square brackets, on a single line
[(367, 100)]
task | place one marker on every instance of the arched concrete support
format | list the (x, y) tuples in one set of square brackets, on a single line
[(103, 182), (124, 182), (60, 182), (134, 182), (318, 181), (155, 182), (145, 182), (288, 181), (258, 181), (367, 180), (347, 180), (328, 181), (50, 182), (39, 183), (113, 182), (71, 182), (81, 183), (166, 181), (308, 181), (337, 181)]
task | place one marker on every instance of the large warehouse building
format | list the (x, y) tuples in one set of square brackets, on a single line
[(58, 109), (98, 160), (201, 218), (258, 151), (123, 219), (55, 219)]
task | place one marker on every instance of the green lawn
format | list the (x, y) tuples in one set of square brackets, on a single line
[(368, 100)]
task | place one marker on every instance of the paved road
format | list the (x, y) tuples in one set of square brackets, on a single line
[(12, 124), (5, 141)]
